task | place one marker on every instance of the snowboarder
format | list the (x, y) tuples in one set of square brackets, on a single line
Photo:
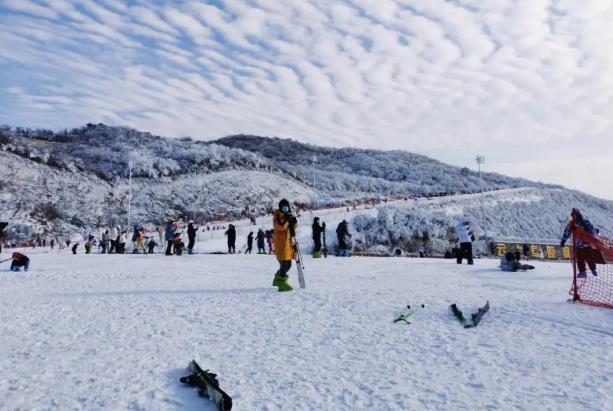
[(169, 237), (249, 243), (343, 237), (20, 260), (585, 253), (260, 238), (465, 238), (510, 262), (191, 235), (317, 230), (284, 225), (231, 234)]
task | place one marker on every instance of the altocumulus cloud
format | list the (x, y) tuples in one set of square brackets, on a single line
[(529, 83)]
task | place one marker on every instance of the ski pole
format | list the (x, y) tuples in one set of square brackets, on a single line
[(6, 259)]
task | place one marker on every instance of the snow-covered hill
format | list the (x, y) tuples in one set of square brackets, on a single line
[(74, 181)]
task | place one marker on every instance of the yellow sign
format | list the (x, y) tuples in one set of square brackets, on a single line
[(566, 253), (551, 252), (501, 249), (535, 251)]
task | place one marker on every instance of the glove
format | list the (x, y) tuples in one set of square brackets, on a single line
[(323, 225), (562, 243)]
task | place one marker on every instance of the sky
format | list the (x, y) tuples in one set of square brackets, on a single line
[(526, 83)]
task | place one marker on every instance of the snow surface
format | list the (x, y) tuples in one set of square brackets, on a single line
[(117, 331)]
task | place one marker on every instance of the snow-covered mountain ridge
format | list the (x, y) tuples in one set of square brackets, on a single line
[(74, 180)]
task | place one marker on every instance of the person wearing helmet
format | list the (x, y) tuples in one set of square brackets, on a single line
[(284, 225)]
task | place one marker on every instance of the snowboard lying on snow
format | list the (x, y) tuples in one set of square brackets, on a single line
[(208, 386)]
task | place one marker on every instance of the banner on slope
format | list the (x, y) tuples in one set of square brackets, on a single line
[(534, 251)]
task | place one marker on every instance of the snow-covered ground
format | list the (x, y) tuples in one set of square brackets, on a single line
[(116, 332)]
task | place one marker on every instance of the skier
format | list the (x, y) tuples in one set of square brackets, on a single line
[(343, 236), (585, 253), (191, 235), (20, 260), (260, 237), (510, 262), (249, 243), (317, 230), (169, 237), (284, 225), (231, 233), (465, 238)]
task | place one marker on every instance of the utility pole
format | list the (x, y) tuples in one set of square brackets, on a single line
[(481, 160)]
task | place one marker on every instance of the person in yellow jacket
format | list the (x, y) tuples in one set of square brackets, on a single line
[(284, 224)]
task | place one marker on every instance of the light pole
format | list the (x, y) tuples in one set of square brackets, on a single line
[(481, 160), (130, 164), (314, 195)]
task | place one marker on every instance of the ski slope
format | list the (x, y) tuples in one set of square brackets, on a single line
[(117, 331)]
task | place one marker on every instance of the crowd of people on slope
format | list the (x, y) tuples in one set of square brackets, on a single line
[(281, 241)]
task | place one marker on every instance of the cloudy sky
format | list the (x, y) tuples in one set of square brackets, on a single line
[(527, 83)]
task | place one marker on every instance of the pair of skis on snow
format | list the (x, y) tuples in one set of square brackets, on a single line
[(476, 317), (208, 386)]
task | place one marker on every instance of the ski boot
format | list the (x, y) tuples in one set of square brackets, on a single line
[(26, 269), (277, 280), (15, 269), (316, 254), (581, 274), (595, 273), (190, 252), (284, 284)]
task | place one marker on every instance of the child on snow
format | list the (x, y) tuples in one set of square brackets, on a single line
[(151, 245), (20, 260), (284, 225)]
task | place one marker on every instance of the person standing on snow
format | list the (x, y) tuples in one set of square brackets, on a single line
[(465, 238), (249, 243), (270, 237), (104, 243), (343, 237), (284, 225), (191, 236), (121, 242), (170, 234), (260, 238), (585, 253), (231, 233), (317, 230)]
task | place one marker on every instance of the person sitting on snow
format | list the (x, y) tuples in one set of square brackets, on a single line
[(510, 262), (20, 260)]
